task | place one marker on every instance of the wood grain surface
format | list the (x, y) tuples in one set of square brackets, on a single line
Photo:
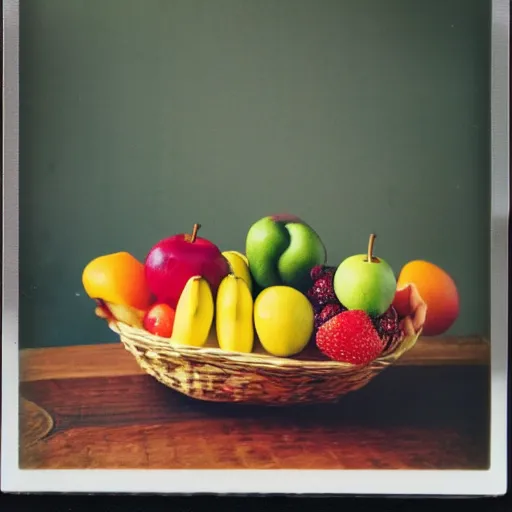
[(432, 415), (113, 360)]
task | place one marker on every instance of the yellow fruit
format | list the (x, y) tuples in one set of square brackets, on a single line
[(234, 315), (126, 314), (284, 320), (239, 266), (239, 254), (194, 313), (243, 256)]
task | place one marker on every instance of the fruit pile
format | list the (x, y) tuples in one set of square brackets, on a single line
[(281, 293)]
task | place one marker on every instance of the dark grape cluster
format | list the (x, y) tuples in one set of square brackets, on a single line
[(322, 296), (388, 326), (321, 292), (326, 313)]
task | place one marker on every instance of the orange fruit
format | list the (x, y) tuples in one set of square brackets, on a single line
[(118, 279), (437, 289)]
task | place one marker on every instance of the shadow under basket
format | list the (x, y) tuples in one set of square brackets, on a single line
[(212, 374)]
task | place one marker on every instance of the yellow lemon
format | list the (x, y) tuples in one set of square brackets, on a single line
[(239, 266), (284, 319)]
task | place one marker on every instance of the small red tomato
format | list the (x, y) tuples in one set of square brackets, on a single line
[(159, 320)]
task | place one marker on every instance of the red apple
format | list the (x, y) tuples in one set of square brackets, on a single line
[(173, 261), (159, 320)]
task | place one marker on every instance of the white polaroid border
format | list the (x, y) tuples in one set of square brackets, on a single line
[(394, 482)]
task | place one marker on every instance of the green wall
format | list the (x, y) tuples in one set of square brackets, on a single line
[(140, 118)]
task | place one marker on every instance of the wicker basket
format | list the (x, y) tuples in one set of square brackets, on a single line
[(212, 374)]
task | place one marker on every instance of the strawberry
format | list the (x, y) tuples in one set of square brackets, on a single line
[(350, 337)]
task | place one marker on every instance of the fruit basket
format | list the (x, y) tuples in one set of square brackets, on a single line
[(212, 374), (224, 327)]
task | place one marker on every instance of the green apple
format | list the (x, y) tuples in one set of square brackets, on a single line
[(365, 282), (282, 250)]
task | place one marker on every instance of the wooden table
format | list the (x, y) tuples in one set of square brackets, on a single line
[(92, 407)]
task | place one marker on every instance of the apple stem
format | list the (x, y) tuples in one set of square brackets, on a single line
[(194, 233), (371, 242)]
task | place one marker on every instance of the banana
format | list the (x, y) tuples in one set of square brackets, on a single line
[(241, 255), (194, 313), (126, 314), (234, 315), (239, 266)]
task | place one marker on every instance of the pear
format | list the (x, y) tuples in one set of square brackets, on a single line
[(282, 250)]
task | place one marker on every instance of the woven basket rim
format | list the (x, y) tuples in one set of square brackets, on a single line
[(158, 345)]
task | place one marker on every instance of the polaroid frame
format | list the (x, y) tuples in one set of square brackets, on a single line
[(371, 482)]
